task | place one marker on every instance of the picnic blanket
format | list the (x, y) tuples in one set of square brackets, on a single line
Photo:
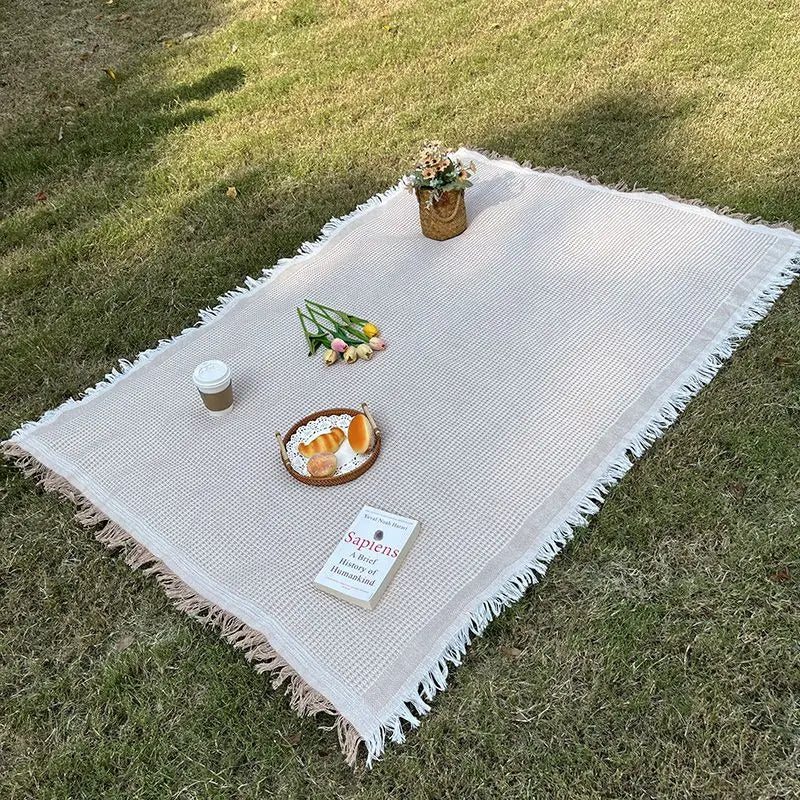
[(529, 362)]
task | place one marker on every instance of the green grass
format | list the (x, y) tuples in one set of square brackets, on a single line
[(659, 655)]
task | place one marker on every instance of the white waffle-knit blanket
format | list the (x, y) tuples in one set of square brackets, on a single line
[(529, 360)]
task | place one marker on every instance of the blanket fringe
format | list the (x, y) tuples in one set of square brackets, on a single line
[(256, 648), (622, 186), (432, 676), (226, 302), (303, 699)]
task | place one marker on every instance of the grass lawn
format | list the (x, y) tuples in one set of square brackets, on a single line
[(659, 656)]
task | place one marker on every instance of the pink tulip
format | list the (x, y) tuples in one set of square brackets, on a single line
[(339, 345), (376, 343)]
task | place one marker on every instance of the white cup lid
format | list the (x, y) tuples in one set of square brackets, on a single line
[(212, 376)]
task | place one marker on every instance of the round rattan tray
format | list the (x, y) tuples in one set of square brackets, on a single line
[(336, 479)]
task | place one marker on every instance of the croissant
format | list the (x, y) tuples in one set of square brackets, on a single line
[(324, 443)]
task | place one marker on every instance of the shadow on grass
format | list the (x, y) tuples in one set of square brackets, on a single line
[(636, 137), (134, 122), (127, 126), (617, 136)]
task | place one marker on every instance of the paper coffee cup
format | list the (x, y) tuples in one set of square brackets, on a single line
[(213, 381)]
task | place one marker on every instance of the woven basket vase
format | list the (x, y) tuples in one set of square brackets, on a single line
[(446, 217)]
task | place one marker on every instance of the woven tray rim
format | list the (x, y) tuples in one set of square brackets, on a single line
[(333, 480)]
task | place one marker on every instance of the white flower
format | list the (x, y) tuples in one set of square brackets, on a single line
[(364, 351), (330, 357), (350, 355)]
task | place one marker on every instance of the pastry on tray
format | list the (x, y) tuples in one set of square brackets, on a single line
[(322, 465), (360, 434), (324, 443)]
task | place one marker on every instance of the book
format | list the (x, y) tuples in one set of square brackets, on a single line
[(367, 557)]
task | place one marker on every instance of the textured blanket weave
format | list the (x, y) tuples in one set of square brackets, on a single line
[(529, 360)]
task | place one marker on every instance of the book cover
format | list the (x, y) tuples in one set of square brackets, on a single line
[(367, 557)]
